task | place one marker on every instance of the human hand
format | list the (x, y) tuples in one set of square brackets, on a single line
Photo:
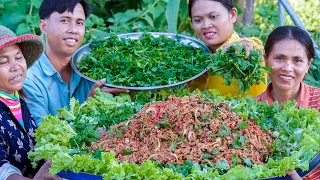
[(43, 173), (101, 82), (247, 45), (294, 175)]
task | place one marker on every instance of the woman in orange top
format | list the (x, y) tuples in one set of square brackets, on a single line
[(289, 51), (213, 22)]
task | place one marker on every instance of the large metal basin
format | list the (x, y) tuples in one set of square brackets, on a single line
[(184, 39)]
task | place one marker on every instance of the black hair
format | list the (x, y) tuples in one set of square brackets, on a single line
[(290, 32), (50, 6), (228, 4)]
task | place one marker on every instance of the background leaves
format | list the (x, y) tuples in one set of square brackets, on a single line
[(172, 13)]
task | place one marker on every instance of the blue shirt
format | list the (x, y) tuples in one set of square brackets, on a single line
[(47, 92), (16, 141)]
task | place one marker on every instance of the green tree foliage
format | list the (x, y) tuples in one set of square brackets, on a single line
[(20, 16)]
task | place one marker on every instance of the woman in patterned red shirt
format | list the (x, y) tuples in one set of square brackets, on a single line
[(289, 51)]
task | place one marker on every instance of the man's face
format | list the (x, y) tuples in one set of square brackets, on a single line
[(64, 32)]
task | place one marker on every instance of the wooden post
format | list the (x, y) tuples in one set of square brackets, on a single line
[(240, 4), (248, 14)]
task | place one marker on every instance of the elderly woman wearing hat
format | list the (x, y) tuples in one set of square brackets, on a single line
[(17, 53)]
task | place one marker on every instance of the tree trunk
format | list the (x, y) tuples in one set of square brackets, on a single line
[(240, 4), (248, 14)]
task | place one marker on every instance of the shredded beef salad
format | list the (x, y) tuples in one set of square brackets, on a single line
[(187, 128)]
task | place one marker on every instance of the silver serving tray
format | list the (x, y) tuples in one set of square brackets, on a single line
[(76, 58)]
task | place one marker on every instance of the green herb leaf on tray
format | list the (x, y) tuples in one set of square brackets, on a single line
[(224, 131), (237, 68), (144, 62), (127, 151)]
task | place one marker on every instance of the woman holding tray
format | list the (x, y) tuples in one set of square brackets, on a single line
[(213, 22), (289, 51), (17, 125)]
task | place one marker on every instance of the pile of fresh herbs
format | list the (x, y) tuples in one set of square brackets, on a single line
[(150, 61), (144, 62), (64, 138), (238, 68)]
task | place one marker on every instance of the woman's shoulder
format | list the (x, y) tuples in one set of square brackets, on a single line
[(314, 96), (265, 96), (313, 91)]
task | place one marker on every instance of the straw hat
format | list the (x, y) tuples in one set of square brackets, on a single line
[(31, 45)]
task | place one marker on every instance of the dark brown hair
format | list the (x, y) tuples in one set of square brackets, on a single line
[(290, 32), (50, 6), (228, 4)]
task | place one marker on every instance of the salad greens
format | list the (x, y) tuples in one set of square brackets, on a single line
[(155, 61), (296, 134), (143, 62), (237, 68)]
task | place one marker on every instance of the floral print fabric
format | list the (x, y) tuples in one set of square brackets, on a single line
[(15, 141)]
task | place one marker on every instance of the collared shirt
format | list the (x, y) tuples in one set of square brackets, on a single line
[(216, 82), (16, 141), (308, 96), (47, 92)]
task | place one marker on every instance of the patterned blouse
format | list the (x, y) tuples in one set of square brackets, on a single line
[(15, 141)]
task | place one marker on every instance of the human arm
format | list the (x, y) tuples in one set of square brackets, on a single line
[(7, 171), (294, 175), (42, 174), (17, 177)]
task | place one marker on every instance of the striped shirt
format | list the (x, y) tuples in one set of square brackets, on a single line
[(13, 102), (313, 175), (308, 97)]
